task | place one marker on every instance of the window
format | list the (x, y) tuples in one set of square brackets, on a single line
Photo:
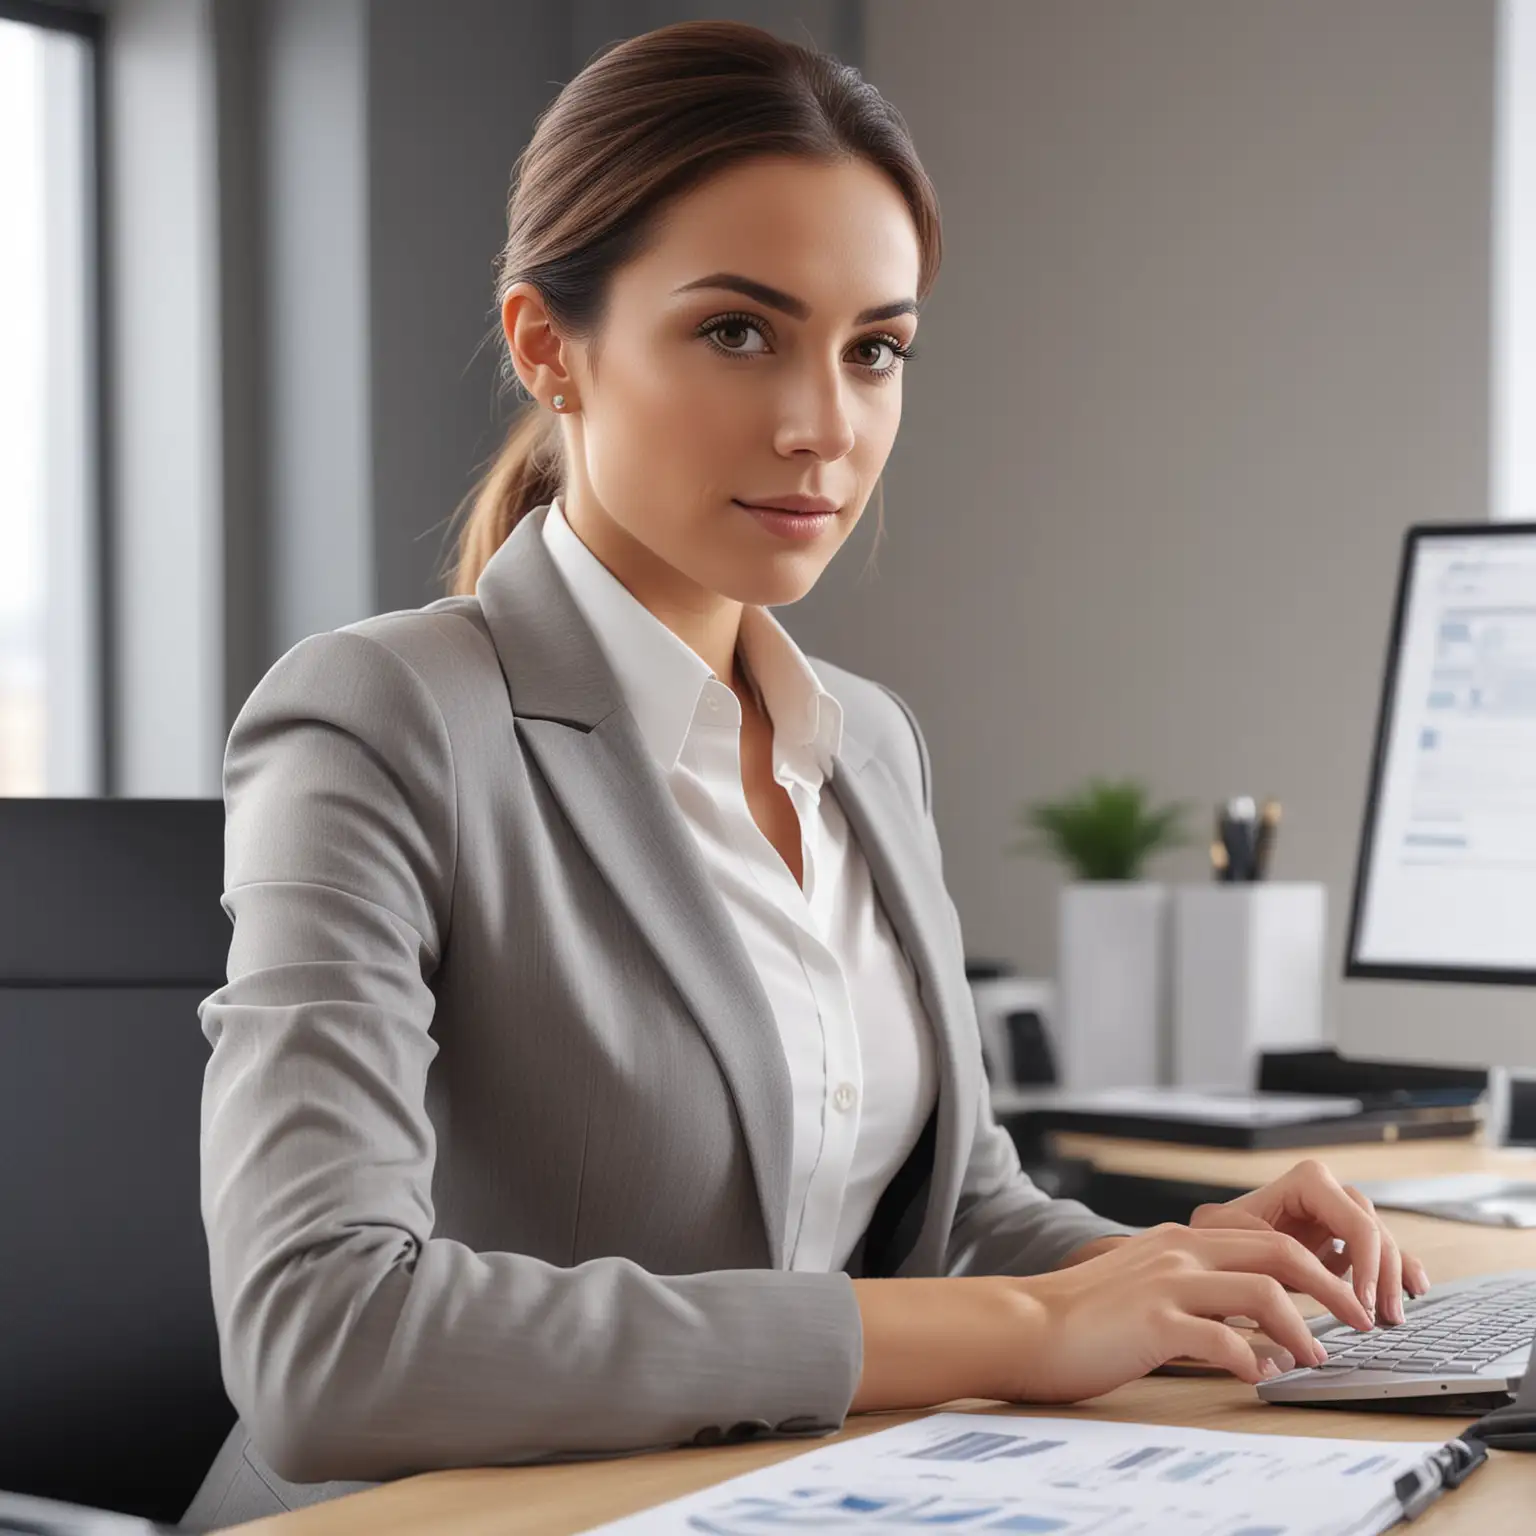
[(51, 714)]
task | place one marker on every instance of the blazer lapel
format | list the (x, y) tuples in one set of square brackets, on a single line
[(912, 892), (570, 713)]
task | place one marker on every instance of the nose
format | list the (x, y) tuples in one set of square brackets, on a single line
[(814, 418)]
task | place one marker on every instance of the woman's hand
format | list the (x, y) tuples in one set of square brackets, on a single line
[(1162, 1294), (1308, 1204)]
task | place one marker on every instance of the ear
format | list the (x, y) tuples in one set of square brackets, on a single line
[(538, 352)]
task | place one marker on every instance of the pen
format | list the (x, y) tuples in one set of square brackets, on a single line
[(1239, 833), (1264, 843), (1220, 865)]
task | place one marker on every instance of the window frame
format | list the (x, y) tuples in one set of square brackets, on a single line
[(89, 25)]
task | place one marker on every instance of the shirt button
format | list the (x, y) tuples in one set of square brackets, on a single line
[(844, 1096), (712, 701)]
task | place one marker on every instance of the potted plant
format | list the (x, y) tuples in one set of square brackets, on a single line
[(1107, 830), (1113, 970)]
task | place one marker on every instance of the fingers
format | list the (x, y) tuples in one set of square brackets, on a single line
[(1273, 1253), (1260, 1297), (1267, 1350), (1201, 1339), (1310, 1203), (1413, 1269), (1324, 1199), (1389, 1279)]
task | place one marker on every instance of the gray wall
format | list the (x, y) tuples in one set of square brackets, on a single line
[(452, 99), (1212, 329), (315, 234), (367, 148)]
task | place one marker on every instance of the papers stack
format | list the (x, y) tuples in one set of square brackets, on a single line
[(966, 1472)]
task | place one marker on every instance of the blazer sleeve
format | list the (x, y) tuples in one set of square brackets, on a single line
[(1005, 1224), (356, 1344)]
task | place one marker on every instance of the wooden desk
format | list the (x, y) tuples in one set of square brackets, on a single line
[(556, 1500)]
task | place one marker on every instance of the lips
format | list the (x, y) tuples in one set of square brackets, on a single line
[(806, 505)]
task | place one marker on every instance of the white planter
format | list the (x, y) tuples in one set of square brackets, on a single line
[(1248, 977), (1113, 976)]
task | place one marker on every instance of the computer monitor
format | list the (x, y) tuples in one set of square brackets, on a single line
[(1443, 921)]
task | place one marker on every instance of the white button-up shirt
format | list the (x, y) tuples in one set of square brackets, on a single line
[(856, 1038)]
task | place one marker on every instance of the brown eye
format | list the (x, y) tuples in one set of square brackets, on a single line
[(899, 355), (733, 330)]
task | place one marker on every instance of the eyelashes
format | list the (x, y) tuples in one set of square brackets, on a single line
[(736, 321)]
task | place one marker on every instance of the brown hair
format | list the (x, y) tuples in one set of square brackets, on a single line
[(647, 119)]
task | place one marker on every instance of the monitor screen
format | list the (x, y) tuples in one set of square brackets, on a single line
[(1445, 887)]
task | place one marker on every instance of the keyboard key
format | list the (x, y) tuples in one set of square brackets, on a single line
[(1460, 1335)]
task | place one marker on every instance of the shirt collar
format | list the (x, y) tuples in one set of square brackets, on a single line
[(662, 677)]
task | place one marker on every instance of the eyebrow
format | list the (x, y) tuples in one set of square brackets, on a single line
[(776, 298)]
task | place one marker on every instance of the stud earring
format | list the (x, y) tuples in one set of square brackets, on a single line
[(558, 402)]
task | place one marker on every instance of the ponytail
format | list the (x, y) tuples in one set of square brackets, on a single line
[(525, 474)]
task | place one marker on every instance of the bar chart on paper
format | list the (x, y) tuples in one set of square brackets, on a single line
[(998, 1473)]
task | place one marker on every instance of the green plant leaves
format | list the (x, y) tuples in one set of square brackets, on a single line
[(1105, 831)]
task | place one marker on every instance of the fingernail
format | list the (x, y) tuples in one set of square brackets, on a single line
[(1398, 1315), (1319, 1353), (1269, 1369), (1368, 1301)]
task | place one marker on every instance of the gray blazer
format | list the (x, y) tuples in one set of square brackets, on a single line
[(496, 1126)]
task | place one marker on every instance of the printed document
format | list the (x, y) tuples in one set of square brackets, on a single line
[(968, 1472)]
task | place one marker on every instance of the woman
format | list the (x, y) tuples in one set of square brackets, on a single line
[(597, 1070)]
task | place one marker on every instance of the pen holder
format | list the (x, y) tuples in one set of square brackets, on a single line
[(1112, 977), (1247, 977)]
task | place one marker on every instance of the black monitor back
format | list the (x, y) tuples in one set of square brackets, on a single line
[(111, 933)]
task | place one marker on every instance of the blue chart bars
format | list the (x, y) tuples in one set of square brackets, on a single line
[(983, 1447)]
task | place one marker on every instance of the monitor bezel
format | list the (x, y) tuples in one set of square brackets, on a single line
[(1355, 968)]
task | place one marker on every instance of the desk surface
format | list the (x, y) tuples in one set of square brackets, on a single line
[(1352, 1162), (555, 1500)]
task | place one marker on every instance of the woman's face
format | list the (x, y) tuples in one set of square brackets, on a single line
[(705, 397)]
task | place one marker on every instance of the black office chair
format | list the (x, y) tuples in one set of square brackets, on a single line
[(111, 932)]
